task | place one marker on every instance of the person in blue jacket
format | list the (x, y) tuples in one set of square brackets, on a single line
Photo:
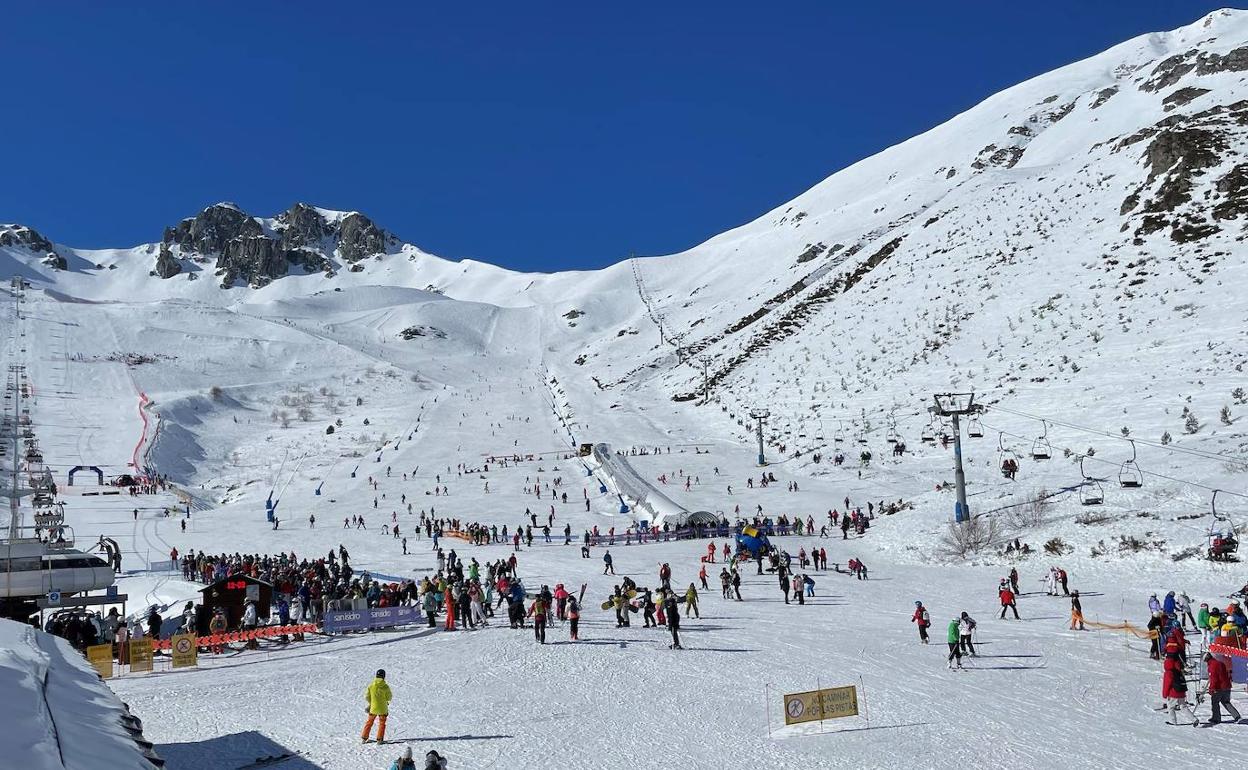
[(1167, 605)]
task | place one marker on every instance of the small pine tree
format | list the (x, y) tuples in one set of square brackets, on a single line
[(1239, 396), (1225, 414), (1165, 438), (1191, 424), (1126, 431)]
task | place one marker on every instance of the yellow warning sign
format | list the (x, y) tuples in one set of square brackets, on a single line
[(140, 655), (828, 703), (185, 651), (100, 656)]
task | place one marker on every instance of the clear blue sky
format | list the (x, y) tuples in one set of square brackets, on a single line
[(535, 135)]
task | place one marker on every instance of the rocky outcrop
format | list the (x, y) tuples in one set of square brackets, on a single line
[(167, 266), (20, 235), (359, 237), (209, 231), (302, 226), (258, 259), (243, 249), (24, 237)]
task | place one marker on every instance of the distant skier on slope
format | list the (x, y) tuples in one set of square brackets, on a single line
[(953, 636), (922, 619)]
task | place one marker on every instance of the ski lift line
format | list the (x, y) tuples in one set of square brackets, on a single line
[(1187, 482), (1145, 442)]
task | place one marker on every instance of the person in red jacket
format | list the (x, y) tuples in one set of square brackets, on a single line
[(1174, 686), (1007, 602), (921, 617), (1219, 688)]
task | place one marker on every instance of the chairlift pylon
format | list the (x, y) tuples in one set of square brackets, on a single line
[(1090, 491), (1129, 475)]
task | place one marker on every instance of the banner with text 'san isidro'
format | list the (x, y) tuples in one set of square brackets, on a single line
[(815, 705)]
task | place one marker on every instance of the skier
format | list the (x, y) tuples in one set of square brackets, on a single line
[(1014, 579), (966, 628), (377, 695), (434, 761), (953, 636), (1076, 612), (538, 611), (1219, 688), (1007, 602), (1174, 686), (1183, 607), (608, 568), (691, 601), (921, 617)]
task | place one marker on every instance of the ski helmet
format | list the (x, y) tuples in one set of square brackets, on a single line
[(381, 673)]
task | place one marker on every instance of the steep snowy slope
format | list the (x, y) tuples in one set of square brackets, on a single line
[(1070, 248)]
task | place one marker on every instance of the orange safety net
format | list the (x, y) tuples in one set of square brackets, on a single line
[(268, 632), (1140, 633)]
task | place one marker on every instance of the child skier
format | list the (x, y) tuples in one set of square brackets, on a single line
[(921, 617)]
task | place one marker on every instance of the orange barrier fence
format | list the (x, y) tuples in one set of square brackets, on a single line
[(1141, 633), (267, 632)]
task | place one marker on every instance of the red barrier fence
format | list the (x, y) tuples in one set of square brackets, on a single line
[(267, 632)]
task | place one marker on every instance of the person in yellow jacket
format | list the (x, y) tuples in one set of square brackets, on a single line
[(378, 697)]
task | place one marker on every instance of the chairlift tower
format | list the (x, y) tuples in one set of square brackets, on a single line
[(760, 416), (705, 363), (955, 405)]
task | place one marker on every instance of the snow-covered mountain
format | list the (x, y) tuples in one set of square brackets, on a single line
[(1071, 246)]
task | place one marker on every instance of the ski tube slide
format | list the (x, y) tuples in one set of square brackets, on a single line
[(649, 504)]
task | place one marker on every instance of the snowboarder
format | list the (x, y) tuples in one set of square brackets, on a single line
[(673, 619), (377, 695), (921, 617), (691, 601), (574, 617)]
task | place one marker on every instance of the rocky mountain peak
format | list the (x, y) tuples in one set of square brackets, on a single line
[(245, 249)]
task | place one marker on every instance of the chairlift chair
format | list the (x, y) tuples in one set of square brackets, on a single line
[(1090, 491), (1129, 475), (1040, 448), (892, 433), (974, 429), (1222, 540)]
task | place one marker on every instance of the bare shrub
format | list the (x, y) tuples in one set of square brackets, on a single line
[(964, 538)]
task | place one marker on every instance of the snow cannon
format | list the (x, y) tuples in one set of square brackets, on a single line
[(268, 508), (353, 470), (753, 541), (623, 505)]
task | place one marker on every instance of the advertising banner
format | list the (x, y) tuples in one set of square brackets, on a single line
[(338, 621)]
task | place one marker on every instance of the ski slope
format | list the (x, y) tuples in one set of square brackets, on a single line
[(995, 253)]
